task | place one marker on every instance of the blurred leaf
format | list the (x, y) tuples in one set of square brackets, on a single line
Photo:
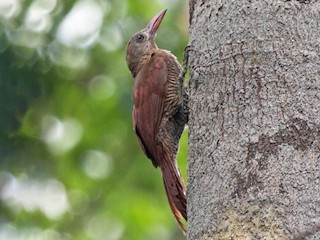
[(65, 118)]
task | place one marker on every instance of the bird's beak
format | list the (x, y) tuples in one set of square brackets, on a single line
[(154, 24)]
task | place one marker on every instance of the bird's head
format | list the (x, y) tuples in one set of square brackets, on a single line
[(142, 44)]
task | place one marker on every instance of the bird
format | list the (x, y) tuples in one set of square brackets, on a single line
[(160, 110)]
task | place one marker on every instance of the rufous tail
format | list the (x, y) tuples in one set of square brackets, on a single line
[(175, 190)]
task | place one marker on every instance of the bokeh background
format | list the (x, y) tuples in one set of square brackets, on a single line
[(70, 165)]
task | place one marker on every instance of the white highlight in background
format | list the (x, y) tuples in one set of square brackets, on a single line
[(30, 195), (61, 136), (81, 27)]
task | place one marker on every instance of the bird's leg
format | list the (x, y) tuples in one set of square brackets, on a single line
[(183, 89), (185, 65)]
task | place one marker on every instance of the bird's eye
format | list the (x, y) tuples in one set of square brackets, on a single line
[(140, 38)]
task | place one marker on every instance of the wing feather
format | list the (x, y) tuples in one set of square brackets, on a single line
[(150, 88)]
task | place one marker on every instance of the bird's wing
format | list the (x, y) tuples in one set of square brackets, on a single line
[(149, 92)]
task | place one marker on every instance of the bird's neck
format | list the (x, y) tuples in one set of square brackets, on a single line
[(139, 61)]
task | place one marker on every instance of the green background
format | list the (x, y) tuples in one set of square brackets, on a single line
[(70, 165)]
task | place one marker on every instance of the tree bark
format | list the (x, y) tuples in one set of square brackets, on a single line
[(254, 128)]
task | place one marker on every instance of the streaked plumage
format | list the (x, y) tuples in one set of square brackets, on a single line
[(159, 111)]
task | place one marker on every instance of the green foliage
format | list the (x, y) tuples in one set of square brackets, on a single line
[(71, 167)]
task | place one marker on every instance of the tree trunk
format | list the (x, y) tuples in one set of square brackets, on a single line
[(254, 143)]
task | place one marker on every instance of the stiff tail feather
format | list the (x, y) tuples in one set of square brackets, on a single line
[(175, 190)]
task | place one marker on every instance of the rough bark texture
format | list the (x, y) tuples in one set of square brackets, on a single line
[(254, 144)]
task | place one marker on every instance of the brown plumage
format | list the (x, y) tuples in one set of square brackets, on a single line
[(159, 110)]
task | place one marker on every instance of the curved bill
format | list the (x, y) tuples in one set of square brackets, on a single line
[(154, 24)]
